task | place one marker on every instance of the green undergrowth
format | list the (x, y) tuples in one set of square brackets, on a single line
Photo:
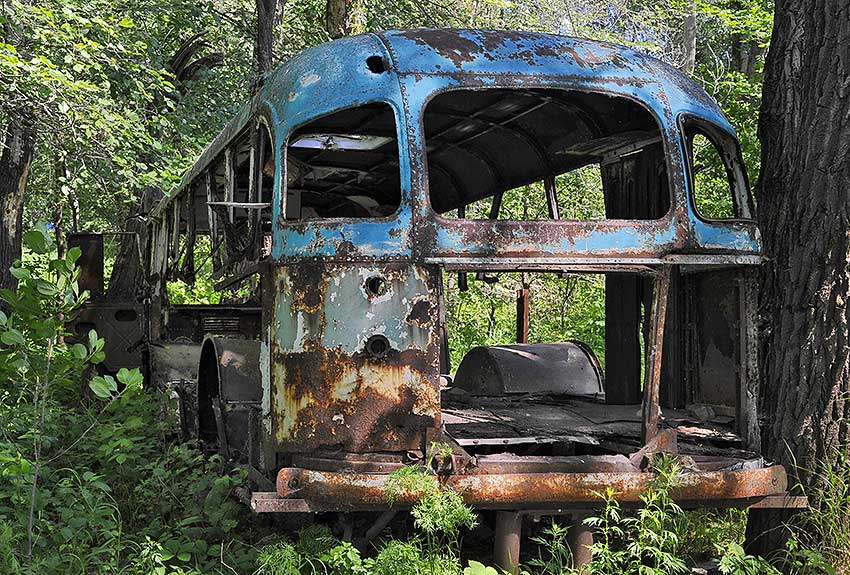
[(92, 477)]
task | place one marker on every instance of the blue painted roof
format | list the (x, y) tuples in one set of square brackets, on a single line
[(489, 52), (326, 73)]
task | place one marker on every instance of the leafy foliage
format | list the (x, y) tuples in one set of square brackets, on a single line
[(94, 483)]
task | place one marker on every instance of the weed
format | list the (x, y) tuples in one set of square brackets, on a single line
[(400, 558), (410, 483), (343, 559), (557, 559), (735, 561), (281, 559), (438, 512), (645, 542), (827, 521), (315, 540)]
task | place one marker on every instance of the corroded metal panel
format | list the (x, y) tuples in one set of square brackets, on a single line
[(354, 357)]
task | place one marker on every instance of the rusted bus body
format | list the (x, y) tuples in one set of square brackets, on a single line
[(343, 194)]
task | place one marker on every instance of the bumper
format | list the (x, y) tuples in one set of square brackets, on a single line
[(304, 490)]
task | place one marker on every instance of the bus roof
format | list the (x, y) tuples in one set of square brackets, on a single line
[(467, 54)]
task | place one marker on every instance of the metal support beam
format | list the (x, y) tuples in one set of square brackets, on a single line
[(507, 540), (324, 490), (552, 198), (522, 315), (652, 379), (580, 541), (462, 279)]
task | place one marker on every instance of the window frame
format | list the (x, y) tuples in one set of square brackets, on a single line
[(729, 149), (282, 185), (666, 143)]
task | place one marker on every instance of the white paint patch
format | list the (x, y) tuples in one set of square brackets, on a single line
[(300, 332), (309, 78)]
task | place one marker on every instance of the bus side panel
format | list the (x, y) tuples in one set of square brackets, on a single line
[(355, 357)]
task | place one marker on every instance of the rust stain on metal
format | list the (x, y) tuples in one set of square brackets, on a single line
[(349, 491)]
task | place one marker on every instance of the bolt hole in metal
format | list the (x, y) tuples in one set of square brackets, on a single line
[(377, 346), (376, 286), (376, 64)]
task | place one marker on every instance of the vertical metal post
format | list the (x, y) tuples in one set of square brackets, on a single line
[(508, 536), (748, 374), (580, 540), (496, 206), (462, 279), (212, 218), (255, 187), (522, 315), (652, 378), (229, 180)]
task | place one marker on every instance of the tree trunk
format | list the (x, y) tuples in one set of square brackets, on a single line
[(804, 205), (342, 18), (15, 160), (264, 44), (690, 39)]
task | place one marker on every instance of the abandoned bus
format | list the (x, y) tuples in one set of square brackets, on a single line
[(367, 172)]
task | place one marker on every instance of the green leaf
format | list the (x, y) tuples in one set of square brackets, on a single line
[(130, 378), (95, 343), (46, 289), (74, 254), (3, 318), (13, 337), (184, 556), (20, 273), (79, 351), (38, 240), (98, 357), (102, 387), (126, 23)]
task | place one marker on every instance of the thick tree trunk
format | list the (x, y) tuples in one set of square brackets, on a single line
[(342, 18), (264, 45), (804, 209), (15, 159)]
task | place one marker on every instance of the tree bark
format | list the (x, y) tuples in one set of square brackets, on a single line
[(15, 159), (804, 205), (690, 39), (264, 45), (342, 18)]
